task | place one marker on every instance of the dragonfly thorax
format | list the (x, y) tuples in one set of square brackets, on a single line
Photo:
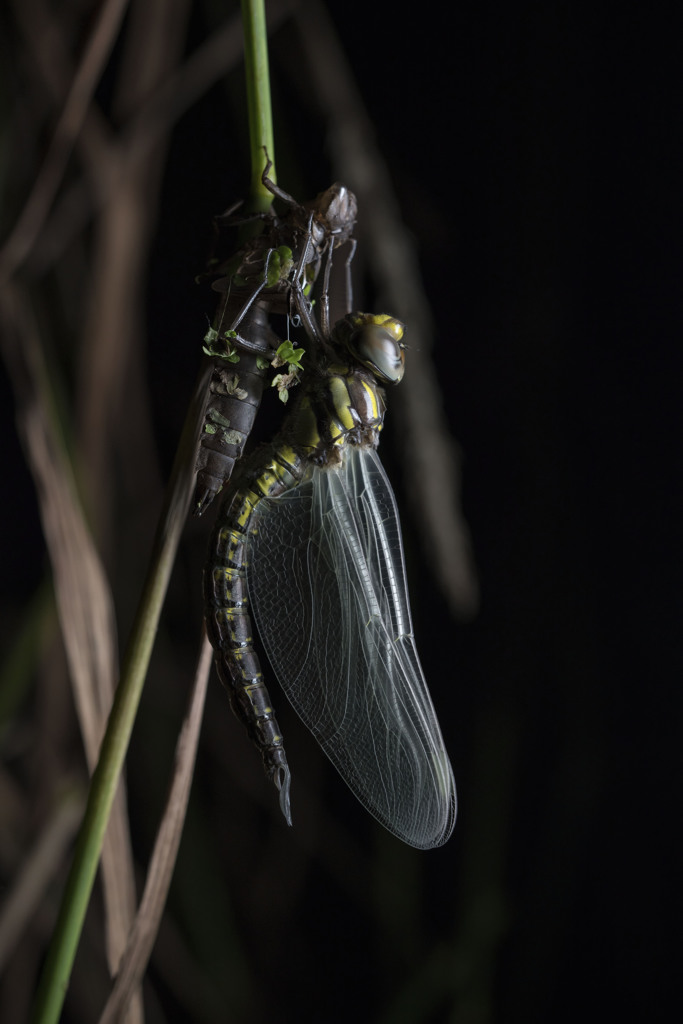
[(344, 406)]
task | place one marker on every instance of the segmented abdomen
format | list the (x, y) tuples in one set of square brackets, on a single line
[(235, 393), (228, 621)]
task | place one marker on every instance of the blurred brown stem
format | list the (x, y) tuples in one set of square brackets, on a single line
[(32, 217)]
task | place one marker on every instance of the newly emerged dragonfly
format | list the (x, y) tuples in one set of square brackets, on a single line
[(273, 273), (308, 536)]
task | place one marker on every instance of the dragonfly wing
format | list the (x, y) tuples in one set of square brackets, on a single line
[(327, 583)]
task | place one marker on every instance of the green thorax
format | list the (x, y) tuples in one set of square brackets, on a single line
[(342, 405)]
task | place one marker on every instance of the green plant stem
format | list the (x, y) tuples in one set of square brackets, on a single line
[(56, 973), (258, 101), (55, 978)]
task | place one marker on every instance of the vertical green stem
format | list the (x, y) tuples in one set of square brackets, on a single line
[(55, 978), (258, 100)]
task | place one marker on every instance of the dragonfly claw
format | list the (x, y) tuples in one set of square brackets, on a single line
[(202, 499)]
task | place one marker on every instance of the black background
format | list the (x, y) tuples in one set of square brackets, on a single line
[(536, 154)]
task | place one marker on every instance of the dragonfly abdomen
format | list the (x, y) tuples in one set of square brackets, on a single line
[(235, 393), (228, 621)]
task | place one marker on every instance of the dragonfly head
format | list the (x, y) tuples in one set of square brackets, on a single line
[(374, 340), (336, 209)]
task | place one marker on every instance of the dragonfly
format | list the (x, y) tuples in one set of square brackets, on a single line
[(273, 273), (308, 538)]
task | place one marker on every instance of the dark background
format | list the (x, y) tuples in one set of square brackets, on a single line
[(535, 150)]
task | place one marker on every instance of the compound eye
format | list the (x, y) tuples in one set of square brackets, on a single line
[(377, 348)]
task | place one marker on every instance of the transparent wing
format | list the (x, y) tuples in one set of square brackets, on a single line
[(327, 585)]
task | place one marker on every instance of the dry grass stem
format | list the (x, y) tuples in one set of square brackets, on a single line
[(30, 222), (112, 345), (84, 603), (428, 447), (162, 863), (140, 135), (39, 868)]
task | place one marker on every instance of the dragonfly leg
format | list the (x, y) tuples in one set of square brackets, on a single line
[(274, 188), (237, 320), (349, 282), (325, 297)]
